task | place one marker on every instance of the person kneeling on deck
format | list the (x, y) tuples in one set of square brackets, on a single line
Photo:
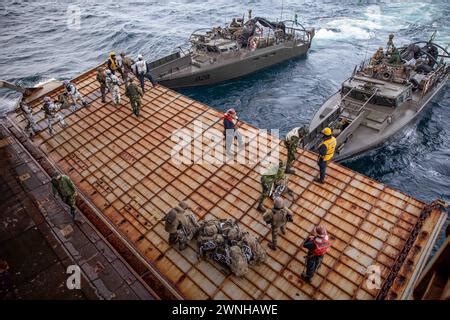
[(181, 224), (317, 245), (326, 153), (112, 82), (101, 78), (134, 93), (142, 71), (269, 181), (291, 142), (278, 217), (74, 95), (230, 127), (51, 111), (65, 102), (62, 185)]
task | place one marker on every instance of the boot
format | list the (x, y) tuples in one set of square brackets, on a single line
[(289, 171), (304, 277), (316, 179), (272, 246), (261, 208)]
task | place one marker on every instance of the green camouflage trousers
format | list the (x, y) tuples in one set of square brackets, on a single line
[(136, 105)]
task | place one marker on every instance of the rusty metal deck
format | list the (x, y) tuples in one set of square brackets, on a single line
[(122, 166)]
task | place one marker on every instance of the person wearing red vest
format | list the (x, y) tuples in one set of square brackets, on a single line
[(317, 245), (231, 132)]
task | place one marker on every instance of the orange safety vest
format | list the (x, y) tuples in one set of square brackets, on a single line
[(331, 146), (322, 245)]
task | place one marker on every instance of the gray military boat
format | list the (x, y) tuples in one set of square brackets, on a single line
[(383, 95), (224, 53)]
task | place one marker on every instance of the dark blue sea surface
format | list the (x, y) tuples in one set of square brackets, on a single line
[(38, 42)]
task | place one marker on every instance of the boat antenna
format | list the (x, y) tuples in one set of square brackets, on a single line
[(432, 36), (282, 7)]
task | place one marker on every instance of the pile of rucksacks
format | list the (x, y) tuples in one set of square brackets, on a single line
[(220, 240)]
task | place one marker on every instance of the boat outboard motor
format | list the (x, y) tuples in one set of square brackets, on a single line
[(416, 80)]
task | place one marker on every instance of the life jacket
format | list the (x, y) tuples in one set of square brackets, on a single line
[(141, 67), (321, 245), (113, 64), (331, 146)]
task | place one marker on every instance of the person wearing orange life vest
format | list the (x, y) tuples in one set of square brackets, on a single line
[(317, 245), (113, 64), (230, 126), (326, 153)]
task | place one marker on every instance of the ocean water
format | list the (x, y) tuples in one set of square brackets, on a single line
[(41, 40)]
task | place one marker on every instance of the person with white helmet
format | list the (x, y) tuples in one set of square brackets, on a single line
[(142, 70), (112, 82), (51, 111), (326, 153), (74, 95)]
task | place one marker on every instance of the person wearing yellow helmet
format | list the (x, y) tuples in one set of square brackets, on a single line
[(326, 153), (113, 63)]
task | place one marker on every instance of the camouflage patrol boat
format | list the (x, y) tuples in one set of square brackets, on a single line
[(224, 53), (383, 95)]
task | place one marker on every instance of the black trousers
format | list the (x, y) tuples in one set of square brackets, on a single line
[(323, 169), (312, 264)]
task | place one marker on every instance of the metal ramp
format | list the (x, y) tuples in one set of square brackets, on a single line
[(127, 181)]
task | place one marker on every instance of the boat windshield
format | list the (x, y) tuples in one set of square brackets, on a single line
[(364, 96)]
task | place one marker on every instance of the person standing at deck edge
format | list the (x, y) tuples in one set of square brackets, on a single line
[(62, 185), (326, 153), (142, 71), (317, 245)]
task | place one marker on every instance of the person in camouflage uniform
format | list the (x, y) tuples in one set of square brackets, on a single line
[(101, 78), (31, 123), (277, 218), (291, 142), (181, 224), (62, 185), (127, 64), (134, 93), (377, 58), (272, 178), (52, 113), (390, 47), (112, 83)]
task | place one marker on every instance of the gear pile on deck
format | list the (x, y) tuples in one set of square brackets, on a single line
[(219, 240)]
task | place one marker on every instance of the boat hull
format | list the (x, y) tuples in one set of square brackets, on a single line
[(228, 69), (364, 139)]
